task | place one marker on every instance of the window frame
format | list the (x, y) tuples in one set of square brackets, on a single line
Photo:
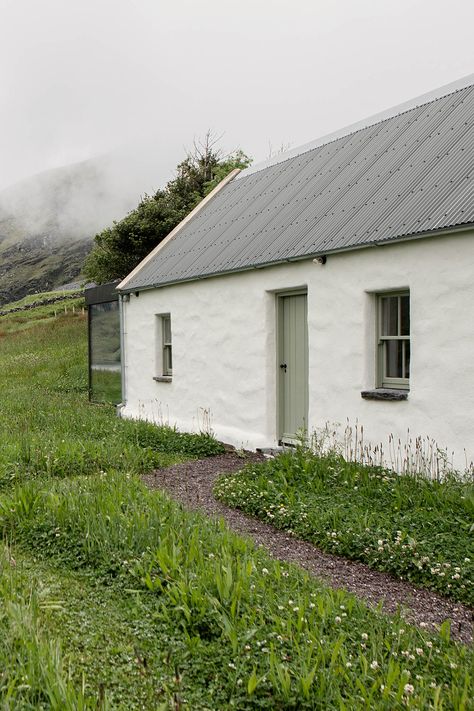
[(167, 359), (383, 380)]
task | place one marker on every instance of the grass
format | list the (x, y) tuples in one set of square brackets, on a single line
[(43, 314), (416, 528), (48, 427), (185, 614), (114, 597)]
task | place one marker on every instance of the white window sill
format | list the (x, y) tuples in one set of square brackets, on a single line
[(163, 378)]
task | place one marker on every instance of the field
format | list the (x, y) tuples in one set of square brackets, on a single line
[(113, 597)]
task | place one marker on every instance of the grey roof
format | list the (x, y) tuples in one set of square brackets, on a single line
[(402, 177)]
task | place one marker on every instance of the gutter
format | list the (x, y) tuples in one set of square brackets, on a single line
[(122, 300)]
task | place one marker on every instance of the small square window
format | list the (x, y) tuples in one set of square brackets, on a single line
[(394, 340)]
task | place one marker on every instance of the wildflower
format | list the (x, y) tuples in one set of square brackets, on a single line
[(453, 665), (348, 665), (408, 688), (337, 619), (231, 665), (265, 571), (419, 651), (364, 635), (296, 609), (374, 664), (429, 644)]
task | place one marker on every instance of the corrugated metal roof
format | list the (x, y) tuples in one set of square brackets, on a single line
[(406, 175)]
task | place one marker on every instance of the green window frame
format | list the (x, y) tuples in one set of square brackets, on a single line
[(167, 350), (393, 338)]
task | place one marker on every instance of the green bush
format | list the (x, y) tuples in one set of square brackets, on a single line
[(169, 440), (415, 528)]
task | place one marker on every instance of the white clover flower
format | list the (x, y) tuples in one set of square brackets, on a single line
[(337, 619), (265, 571), (453, 665), (348, 665), (408, 688), (364, 635), (429, 644), (419, 651), (374, 664), (231, 665), (296, 609)]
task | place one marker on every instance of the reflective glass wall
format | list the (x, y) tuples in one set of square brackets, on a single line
[(104, 345)]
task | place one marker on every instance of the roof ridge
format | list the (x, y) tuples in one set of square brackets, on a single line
[(370, 121)]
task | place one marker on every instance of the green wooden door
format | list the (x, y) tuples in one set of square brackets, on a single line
[(293, 365)]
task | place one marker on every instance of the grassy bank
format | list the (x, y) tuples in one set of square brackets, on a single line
[(185, 614), (47, 425), (415, 528)]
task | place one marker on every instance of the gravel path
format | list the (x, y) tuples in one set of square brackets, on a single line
[(191, 484)]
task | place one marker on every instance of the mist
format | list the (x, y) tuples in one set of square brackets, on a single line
[(100, 100)]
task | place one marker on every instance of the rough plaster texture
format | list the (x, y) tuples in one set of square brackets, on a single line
[(224, 346)]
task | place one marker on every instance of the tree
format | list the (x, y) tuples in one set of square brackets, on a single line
[(119, 248)]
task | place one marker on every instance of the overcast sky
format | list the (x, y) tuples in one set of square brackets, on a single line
[(83, 77)]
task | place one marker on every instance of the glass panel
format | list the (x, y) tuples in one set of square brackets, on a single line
[(105, 352), (393, 359), (166, 329), (405, 315), (407, 358), (390, 316), (168, 360)]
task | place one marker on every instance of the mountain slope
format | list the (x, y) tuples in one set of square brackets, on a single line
[(48, 221)]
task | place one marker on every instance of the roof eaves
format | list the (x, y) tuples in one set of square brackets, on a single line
[(304, 257)]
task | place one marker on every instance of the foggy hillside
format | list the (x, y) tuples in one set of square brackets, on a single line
[(48, 221)]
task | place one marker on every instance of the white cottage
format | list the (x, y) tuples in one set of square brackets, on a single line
[(333, 283)]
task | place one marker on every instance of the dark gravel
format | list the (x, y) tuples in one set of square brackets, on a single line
[(191, 484)]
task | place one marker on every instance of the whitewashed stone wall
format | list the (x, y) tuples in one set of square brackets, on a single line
[(224, 347)]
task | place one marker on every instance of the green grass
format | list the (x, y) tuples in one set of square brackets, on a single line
[(33, 298), (413, 527), (114, 597), (153, 605), (47, 425), (40, 315)]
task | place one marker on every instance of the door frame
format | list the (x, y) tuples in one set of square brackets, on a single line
[(279, 295)]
